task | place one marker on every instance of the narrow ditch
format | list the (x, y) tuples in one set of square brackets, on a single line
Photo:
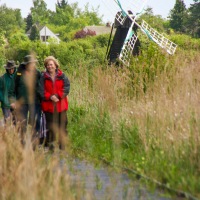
[(103, 183)]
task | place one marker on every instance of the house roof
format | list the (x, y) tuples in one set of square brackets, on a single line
[(44, 31), (99, 29)]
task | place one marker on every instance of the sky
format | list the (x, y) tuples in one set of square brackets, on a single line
[(160, 7)]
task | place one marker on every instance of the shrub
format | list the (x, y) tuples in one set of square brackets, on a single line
[(84, 33)]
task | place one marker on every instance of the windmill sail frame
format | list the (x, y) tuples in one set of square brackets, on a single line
[(131, 37)]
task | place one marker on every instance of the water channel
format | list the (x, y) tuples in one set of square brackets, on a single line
[(103, 183)]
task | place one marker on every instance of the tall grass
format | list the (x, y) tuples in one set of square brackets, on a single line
[(145, 117), (28, 174)]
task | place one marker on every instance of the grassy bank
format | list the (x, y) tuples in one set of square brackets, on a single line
[(145, 118)]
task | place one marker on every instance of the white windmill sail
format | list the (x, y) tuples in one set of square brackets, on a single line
[(128, 46), (132, 9), (136, 7), (127, 49), (158, 38)]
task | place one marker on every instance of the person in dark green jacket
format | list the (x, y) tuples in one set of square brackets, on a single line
[(7, 94), (27, 98)]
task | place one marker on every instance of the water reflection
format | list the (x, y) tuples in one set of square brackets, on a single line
[(102, 183)]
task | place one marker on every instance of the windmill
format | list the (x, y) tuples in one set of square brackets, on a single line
[(125, 41)]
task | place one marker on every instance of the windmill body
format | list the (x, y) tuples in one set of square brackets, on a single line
[(119, 39)]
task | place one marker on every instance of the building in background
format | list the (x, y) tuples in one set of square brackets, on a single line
[(45, 34)]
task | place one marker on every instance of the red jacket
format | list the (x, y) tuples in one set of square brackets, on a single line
[(59, 87)]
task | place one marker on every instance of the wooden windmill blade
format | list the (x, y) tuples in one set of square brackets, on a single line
[(125, 39), (127, 50), (135, 7), (128, 46), (158, 38)]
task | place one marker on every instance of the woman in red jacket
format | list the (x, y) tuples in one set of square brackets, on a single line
[(54, 88)]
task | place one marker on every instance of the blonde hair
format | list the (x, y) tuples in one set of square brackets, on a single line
[(47, 59)]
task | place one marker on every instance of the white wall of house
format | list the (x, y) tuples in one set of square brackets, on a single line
[(45, 34)]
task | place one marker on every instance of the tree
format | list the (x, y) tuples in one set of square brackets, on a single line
[(29, 22), (17, 37), (10, 20), (62, 4), (69, 18), (40, 13), (64, 13), (178, 16), (193, 22), (34, 35), (156, 21), (2, 39), (92, 16)]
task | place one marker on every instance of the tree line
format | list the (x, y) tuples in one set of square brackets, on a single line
[(68, 18), (64, 20), (185, 20)]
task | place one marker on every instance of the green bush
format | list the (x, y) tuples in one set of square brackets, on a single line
[(186, 42)]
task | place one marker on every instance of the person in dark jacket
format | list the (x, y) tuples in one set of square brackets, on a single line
[(7, 91), (27, 97), (54, 88)]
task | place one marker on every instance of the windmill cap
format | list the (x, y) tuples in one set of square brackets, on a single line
[(10, 64), (29, 59)]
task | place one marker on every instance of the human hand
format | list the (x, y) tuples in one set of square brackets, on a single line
[(54, 98), (13, 106)]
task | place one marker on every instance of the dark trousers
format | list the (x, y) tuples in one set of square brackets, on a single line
[(9, 113), (56, 125), (27, 113)]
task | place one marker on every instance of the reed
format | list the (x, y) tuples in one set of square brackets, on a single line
[(145, 117), (28, 174)]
